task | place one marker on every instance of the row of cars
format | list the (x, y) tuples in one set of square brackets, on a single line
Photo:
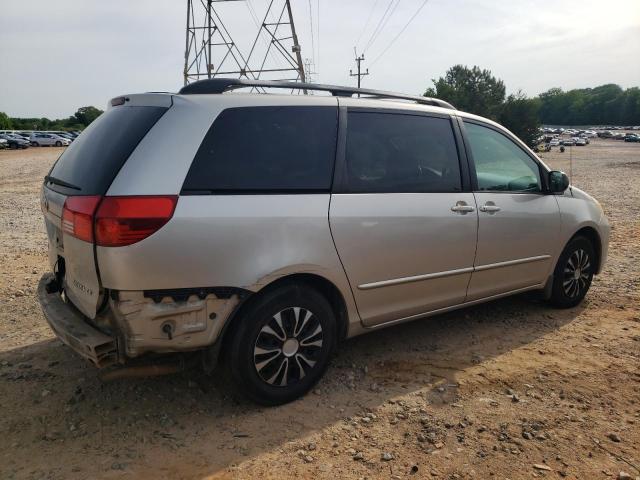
[(22, 139), (627, 137), (561, 137)]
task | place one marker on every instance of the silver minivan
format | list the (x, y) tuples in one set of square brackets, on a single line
[(258, 230)]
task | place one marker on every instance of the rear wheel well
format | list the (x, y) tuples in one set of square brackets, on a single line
[(592, 235), (308, 280)]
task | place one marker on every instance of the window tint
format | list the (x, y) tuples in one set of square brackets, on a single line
[(400, 153), (266, 149), (500, 163), (94, 159)]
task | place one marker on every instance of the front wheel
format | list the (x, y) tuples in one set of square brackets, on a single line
[(282, 345), (35, 144), (58, 144), (573, 273)]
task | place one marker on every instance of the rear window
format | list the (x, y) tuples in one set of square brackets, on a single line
[(94, 159), (266, 149)]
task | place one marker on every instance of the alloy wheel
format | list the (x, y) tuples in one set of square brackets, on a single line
[(577, 272), (288, 346)]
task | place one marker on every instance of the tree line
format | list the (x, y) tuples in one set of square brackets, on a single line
[(476, 90), (78, 121)]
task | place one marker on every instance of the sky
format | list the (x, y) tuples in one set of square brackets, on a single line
[(58, 56)]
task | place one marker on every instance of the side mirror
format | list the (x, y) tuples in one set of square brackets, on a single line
[(558, 181)]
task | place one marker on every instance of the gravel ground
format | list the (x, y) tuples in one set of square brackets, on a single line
[(511, 389)]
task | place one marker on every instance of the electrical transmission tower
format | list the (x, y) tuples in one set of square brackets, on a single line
[(210, 51)]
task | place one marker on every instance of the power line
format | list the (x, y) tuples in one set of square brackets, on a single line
[(318, 31), (379, 22), (400, 32), (313, 43), (383, 22), (256, 21), (366, 24)]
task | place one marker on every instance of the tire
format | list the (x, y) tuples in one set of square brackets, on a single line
[(282, 345), (58, 144), (13, 146), (35, 144), (573, 273)]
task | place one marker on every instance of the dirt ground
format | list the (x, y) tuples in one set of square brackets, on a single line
[(510, 389)]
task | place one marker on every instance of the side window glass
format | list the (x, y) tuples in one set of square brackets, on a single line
[(270, 149), (389, 152), (500, 164)]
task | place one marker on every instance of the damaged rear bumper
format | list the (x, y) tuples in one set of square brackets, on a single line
[(70, 326), (134, 323)]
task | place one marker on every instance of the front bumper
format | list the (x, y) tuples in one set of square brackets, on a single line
[(70, 326)]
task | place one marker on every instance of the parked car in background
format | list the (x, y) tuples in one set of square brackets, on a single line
[(568, 142), (48, 140), (554, 143), (3, 143), (632, 137), (580, 142), (61, 134), (15, 141)]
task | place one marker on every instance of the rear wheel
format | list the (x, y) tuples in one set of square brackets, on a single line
[(58, 143), (573, 273), (35, 144), (282, 345)]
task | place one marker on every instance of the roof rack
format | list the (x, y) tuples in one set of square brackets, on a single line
[(221, 85)]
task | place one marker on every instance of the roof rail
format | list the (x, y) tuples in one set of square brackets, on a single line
[(221, 85)]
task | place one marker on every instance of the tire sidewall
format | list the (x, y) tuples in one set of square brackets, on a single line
[(241, 361), (558, 297)]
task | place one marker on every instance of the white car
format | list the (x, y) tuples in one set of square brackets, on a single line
[(48, 139), (555, 142)]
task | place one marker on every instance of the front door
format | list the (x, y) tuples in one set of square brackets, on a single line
[(518, 224), (403, 228)]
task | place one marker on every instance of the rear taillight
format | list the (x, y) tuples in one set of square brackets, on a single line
[(122, 221), (77, 216), (116, 221)]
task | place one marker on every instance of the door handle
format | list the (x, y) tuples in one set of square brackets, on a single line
[(489, 207), (462, 208)]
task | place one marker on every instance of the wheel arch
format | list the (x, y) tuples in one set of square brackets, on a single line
[(310, 280), (593, 236)]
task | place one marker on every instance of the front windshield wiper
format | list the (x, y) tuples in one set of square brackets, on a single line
[(62, 183)]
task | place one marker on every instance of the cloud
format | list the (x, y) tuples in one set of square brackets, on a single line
[(58, 56)]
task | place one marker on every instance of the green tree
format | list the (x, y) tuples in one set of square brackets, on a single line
[(470, 89), (85, 115), (5, 121), (521, 115)]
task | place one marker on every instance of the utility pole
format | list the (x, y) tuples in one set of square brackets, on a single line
[(360, 74)]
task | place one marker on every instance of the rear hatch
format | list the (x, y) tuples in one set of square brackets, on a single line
[(79, 179)]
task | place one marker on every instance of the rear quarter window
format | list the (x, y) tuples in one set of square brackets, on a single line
[(266, 149), (93, 160)]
